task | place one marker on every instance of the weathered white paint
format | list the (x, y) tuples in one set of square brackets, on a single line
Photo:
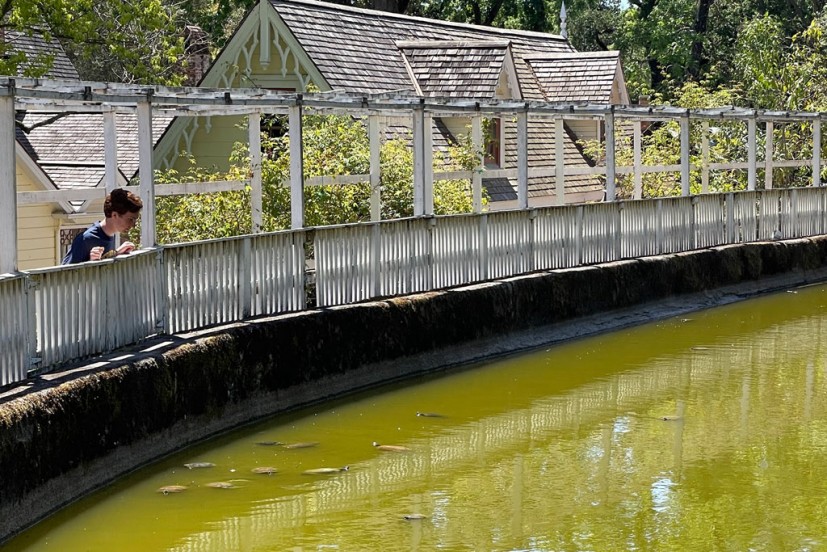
[(704, 156), (559, 162), (296, 168), (8, 197), (751, 154), (816, 153), (768, 153), (522, 159), (254, 141), (428, 164), (611, 192), (685, 155), (418, 123), (110, 141), (636, 145), (476, 176), (375, 168), (145, 173)]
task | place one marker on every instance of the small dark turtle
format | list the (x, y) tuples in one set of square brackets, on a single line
[(308, 444), (391, 448), (671, 418), (265, 470), (324, 471), (199, 465), (169, 489), (221, 485), (269, 443), (412, 517), (430, 415)]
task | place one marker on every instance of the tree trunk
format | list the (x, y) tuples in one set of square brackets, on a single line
[(697, 60)]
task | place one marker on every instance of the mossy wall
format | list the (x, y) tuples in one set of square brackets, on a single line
[(71, 432)]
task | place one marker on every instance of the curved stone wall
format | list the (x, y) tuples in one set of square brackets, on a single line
[(68, 433)]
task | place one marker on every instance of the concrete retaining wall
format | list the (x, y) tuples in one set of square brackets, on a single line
[(70, 432)]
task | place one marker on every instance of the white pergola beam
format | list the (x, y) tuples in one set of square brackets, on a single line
[(8, 187)]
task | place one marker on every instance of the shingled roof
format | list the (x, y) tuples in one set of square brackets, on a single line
[(455, 69), (36, 47), (583, 77)]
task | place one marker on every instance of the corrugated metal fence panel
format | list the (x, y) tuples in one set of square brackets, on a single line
[(639, 223), (277, 272), (601, 224), (557, 237), (508, 245), (131, 299), (15, 337), (769, 212), (343, 272), (677, 217), (405, 256), (746, 217), (710, 214), (456, 250), (203, 284), (806, 214)]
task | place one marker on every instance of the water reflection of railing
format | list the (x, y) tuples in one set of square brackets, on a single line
[(601, 408)]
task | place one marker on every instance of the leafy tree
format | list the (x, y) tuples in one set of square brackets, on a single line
[(135, 41)]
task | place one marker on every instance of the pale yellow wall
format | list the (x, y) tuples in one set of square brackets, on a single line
[(584, 129), (36, 229)]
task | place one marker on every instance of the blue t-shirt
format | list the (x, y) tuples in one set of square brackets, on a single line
[(82, 245)]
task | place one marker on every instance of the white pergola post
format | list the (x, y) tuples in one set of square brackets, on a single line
[(752, 169), (768, 152), (145, 174), (705, 158), (611, 191), (476, 176), (637, 139), (685, 154), (110, 144), (254, 134), (522, 159), (428, 163), (8, 186), (816, 154), (559, 163), (296, 167), (419, 161), (375, 168)]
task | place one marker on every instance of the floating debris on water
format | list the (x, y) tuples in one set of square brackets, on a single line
[(430, 415), (199, 465), (413, 517)]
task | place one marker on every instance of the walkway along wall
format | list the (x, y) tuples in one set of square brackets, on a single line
[(69, 432)]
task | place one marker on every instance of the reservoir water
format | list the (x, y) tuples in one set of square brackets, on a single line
[(705, 432)]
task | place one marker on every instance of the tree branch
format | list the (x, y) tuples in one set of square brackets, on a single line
[(44, 122)]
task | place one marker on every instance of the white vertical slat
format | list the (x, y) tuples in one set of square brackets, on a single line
[(611, 192), (254, 138), (636, 139), (296, 167), (816, 154), (476, 176), (375, 168), (145, 171), (751, 157), (559, 163), (768, 153), (522, 159), (685, 154), (705, 157), (419, 161), (110, 144), (8, 187)]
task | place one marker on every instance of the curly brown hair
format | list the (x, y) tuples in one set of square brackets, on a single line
[(121, 201)]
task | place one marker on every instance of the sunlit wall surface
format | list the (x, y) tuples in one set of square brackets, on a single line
[(700, 433)]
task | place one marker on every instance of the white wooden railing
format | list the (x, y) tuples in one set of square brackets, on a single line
[(62, 314)]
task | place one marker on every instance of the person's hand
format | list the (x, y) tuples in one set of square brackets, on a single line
[(126, 247), (95, 253)]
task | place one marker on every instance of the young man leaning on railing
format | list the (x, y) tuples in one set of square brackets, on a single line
[(121, 209)]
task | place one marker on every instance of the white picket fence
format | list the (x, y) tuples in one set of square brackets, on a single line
[(57, 315)]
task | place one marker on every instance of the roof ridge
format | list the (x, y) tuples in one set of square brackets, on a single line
[(391, 15), (572, 55), (469, 44)]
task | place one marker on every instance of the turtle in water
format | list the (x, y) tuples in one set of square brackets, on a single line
[(307, 444), (265, 470), (324, 471), (391, 448), (671, 418), (221, 485), (199, 465), (268, 443), (170, 489), (430, 415), (412, 517)]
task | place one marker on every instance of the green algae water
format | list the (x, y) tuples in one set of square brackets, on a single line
[(705, 432)]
